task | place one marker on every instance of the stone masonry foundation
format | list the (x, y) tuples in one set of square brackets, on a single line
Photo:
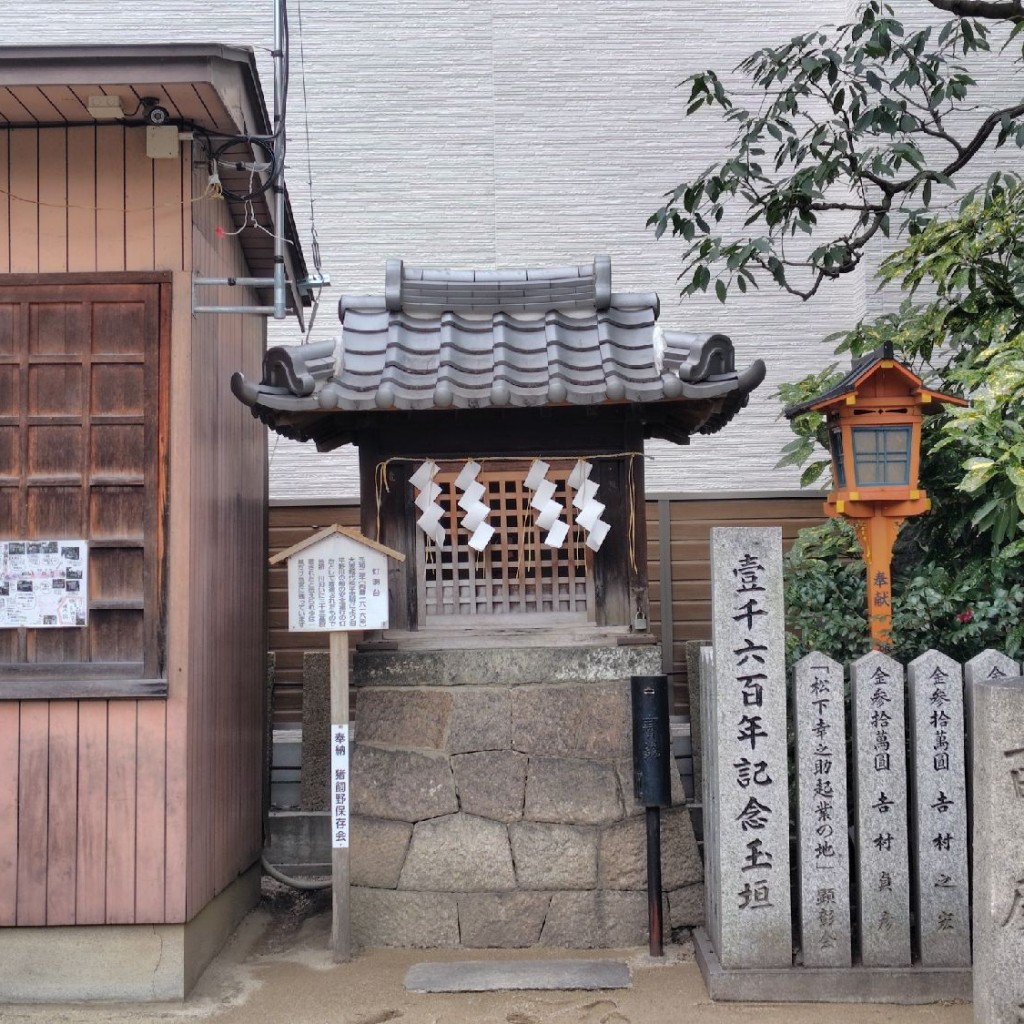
[(496, 809)]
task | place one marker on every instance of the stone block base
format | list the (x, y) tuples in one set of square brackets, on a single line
[(499, 812), (900, 985), (591, 919), (142, 962)]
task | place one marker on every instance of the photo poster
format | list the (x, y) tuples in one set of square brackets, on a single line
[(44, 584)]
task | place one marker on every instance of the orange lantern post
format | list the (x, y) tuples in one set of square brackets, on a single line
[(873, 417)]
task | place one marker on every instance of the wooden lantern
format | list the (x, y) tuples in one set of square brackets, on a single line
[(873, 417)]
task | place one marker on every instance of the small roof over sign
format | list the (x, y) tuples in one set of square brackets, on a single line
[(346, 531)]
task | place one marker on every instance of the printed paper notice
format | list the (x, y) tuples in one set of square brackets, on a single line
[(339, 786), (44, 584)]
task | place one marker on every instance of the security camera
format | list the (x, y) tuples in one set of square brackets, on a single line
[(153, 112)]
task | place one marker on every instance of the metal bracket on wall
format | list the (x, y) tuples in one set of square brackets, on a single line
[(306, 286)]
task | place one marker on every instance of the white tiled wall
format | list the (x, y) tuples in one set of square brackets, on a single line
[(509, 134)]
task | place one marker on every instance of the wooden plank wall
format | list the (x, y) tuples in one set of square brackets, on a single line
[(690, 538), (84, 785), (227, 635), (89, 199), (690, 521)]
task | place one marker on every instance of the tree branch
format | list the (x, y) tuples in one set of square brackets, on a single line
[(988, 126), (996, 10)]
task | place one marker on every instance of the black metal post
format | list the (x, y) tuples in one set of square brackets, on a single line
[(655, 923), (652, 783)]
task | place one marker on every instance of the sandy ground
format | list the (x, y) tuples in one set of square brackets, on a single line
[(277, 970)]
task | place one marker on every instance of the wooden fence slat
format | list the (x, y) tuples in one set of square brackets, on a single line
[(53, 198), (150, 847), (62, 832), (168, 213), (176, 821), (110, 198), (82, 201), (24, 186), (138, 202), (5, 204), (10, 748), (91, 898), (121, 811), (33, 772)]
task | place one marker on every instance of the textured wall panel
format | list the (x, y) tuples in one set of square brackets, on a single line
[(493, 134)]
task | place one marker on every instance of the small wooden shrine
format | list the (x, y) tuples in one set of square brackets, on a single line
[(501, 419), (492, 409)]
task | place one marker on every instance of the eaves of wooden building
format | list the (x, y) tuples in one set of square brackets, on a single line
[(131, 756)]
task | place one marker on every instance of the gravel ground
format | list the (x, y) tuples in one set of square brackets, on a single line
[(277, 970)]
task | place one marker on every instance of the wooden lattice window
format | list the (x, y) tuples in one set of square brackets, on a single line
[(517, 578), (80, 424)]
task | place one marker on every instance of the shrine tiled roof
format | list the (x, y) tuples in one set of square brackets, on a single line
[(449, 339)]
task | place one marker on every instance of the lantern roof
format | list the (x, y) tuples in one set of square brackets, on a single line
[(866, 367), (498, 339)]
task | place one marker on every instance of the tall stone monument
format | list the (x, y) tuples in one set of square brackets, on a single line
[(939, 811), (998, 740), (823, 847), (880, 802), (748, 759)]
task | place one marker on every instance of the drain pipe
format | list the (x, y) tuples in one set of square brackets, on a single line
[(296, 883), (280, 84)]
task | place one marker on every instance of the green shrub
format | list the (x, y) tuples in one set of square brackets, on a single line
[(957, 611)]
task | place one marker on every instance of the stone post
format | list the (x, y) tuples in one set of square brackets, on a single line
[(880, 802), (939, 810), (708, 795), (998, 740), (823, 848), (987, 665), (748, 758)]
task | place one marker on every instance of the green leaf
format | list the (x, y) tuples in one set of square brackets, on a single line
[(812, 473)]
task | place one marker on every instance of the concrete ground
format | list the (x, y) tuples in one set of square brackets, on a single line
[(277, 970)]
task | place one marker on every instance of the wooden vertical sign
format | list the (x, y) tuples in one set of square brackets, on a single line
[(337, 583), (341, 932)]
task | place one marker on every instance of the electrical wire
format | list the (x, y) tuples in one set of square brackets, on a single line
[(254, 191), (314, 238)]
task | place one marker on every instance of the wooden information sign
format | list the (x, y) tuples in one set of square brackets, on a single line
[(338, 582)]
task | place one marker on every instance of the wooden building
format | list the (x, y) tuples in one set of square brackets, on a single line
[(131, 753)]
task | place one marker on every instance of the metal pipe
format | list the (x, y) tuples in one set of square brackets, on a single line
[(654, 917), (261, 310), (243, 282), (279, 152)]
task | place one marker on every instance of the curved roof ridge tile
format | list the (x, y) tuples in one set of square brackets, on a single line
[(548, 336)]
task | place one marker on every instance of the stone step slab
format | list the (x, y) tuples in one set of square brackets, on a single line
[(517, 975)]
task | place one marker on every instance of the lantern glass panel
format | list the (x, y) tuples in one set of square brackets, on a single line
[(838, 466), (881, 456)]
